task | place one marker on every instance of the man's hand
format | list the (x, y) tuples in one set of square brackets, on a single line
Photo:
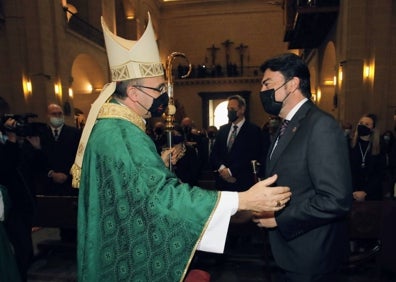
[(260, 197), (225, 174), (59, 177), (35, 141), (10, 124), (359, 196), (166, 154), (265, 219)]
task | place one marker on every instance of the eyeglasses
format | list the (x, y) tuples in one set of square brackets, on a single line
[(162, 89)]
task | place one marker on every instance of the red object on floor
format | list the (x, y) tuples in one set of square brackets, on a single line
[(197, 275)]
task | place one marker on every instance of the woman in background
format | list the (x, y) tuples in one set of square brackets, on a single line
[(367, 161)]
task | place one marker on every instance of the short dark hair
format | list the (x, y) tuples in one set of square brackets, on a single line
[(290, 65)]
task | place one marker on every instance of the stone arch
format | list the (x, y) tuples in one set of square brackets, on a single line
[(88, 79)]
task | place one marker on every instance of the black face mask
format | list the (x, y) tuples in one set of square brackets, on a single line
[(159, 131), (363, 130), (232, 115), (270, 105), (187, 129), (211, 134), (159, 105)]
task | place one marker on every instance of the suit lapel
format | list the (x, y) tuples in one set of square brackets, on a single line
[(288, 136)]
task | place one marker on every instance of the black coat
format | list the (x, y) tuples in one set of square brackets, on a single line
[(60, 156), (247, 147)]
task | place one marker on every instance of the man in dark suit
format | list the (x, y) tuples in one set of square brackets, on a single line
[(309, 238), (233, 151), (59, 142)]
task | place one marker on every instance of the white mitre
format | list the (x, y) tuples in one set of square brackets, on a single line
[(130, 59)]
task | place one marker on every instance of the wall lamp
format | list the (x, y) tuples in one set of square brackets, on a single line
[(368, 71), (26, 86), (58, 89)]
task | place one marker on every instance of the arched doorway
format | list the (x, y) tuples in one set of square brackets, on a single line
[(87, 81), (213, 100)]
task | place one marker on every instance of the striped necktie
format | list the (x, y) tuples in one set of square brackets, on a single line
[(282, 130), (232, 137)]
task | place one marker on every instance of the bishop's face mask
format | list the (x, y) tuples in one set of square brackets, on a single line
[(159, 105), (270, 105)]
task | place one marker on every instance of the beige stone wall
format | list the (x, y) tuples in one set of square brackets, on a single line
[(35, 42), (196, 28)]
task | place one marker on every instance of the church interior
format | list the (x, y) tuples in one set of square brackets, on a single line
[(53, 51)]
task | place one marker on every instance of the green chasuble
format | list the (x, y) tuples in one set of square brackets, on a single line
[(136, 221)]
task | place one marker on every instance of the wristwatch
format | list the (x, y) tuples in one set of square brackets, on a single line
[(50, 173)]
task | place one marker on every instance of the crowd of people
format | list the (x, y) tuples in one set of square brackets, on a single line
[(141, 216)]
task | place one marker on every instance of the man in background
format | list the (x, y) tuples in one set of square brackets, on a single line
[(237, 144), (59, 142)]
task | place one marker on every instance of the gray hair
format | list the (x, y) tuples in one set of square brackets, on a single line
[(239, 98)]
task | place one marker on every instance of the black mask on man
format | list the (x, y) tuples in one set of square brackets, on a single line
[(159, 105), (211, 134), (363, 130), (270, 105), (232, 115), (159, 131)]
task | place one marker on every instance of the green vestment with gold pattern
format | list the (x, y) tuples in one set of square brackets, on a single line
[(136, 221)]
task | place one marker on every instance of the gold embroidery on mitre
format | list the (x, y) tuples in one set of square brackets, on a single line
[(112, 110), (149, 70), (123, 72), (120, 73)]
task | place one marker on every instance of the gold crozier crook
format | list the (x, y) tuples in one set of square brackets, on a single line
[(171, 109)]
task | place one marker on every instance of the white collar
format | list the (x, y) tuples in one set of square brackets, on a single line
[(293, 111)]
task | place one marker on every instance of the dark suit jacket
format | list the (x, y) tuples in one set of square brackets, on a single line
[(312, 159), (60, 156), (246, 147)]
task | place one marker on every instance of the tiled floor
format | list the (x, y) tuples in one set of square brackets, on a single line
[(244, 264)]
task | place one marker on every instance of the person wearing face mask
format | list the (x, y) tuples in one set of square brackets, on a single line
[(237, 143), (309, 238), (136, 220), (368, 167), (367, 161), (59, 142)]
